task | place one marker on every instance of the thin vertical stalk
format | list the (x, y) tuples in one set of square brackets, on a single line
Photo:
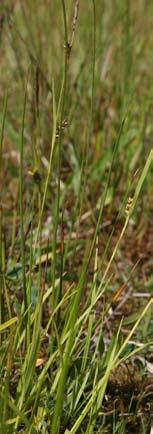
[(21, 191), (30, 282), (1, 212), (2, 131), (91, 114), (73, 317), (62, 96), (93, 64), (127, 42)]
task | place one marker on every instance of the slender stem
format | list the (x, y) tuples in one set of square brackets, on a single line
[(73, 317), (93, 63), (1, 213), (21, 191), (66, 58)]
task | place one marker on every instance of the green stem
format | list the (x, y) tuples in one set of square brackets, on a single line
[(21, 191), (1, 213), (64, 85)]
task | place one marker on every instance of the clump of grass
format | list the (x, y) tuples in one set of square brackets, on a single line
[(58, 347)]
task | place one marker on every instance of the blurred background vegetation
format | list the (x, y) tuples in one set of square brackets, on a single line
[(104, 133)]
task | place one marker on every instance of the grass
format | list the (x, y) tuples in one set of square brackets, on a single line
[(76, 164)]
